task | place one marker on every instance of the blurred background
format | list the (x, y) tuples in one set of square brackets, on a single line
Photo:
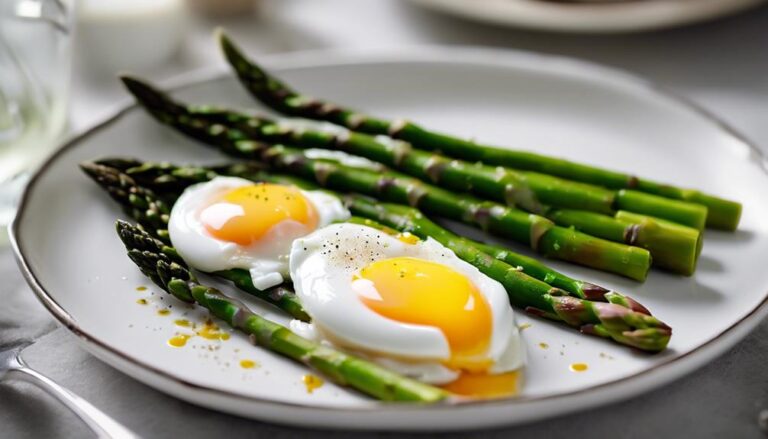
[(721, 62), (58, 66)]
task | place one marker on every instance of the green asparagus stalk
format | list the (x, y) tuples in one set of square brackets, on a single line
[(167, 178), (338, 366), (152, 214), (172, 180), (536, 231), (407, 219), (538, 298), (149, 211), (617, 321), (722, 214), (531, 191), (672, 247)]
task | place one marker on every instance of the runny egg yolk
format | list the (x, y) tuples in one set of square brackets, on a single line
[(245, 214), (480, 385), (422, 292), (418, 291)]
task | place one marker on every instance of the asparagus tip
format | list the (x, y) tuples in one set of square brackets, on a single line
[(636, 306), (149, 96), (124, 231), (104, 175), (226, 43), (220, 35), (122, 164), (132, 82), (88, 167), (615, 321), (593, 291), (231, 51), (96, 171)]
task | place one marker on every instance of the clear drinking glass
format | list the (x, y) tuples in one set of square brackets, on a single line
[(35, 58)]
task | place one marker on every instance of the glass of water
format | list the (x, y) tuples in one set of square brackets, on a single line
[(35, 58)]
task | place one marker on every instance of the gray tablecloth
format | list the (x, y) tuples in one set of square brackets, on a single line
[(721, 65)]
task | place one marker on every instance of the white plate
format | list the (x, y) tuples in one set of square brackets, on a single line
[(605, 17), (67, 248)]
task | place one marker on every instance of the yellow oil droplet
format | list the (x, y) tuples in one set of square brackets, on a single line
[(211, 331), (163, 312), (543, 345), (312, 382), (578, 367), (178, 341), (524, 326), (407, 238), (141, 288), (184, 323), (247, 364), (142, 301)]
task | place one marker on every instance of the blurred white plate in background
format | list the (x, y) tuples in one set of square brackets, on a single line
[(65, 240), (595, 16)]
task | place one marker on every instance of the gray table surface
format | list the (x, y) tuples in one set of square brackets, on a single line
[(721, 65)]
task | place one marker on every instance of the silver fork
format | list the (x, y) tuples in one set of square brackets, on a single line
[(13, 366)]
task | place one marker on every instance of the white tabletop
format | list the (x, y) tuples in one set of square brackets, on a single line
[(721, 65)]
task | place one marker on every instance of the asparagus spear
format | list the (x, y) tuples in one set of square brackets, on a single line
[(531, 191), (407, 219), (152, 214), (338, 366), (538, 232), (170, 179), (672, 247), (535, 297), (607, 320), (175, 179), (722, 213), (632, 327)]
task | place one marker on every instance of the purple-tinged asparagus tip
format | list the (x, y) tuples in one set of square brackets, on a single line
[(588, 329), (536, 312), (593, 292), (636, 306), (601, 294)]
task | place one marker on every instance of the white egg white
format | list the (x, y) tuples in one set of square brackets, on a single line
[(343, 158), (266, 259), (322, 267)]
